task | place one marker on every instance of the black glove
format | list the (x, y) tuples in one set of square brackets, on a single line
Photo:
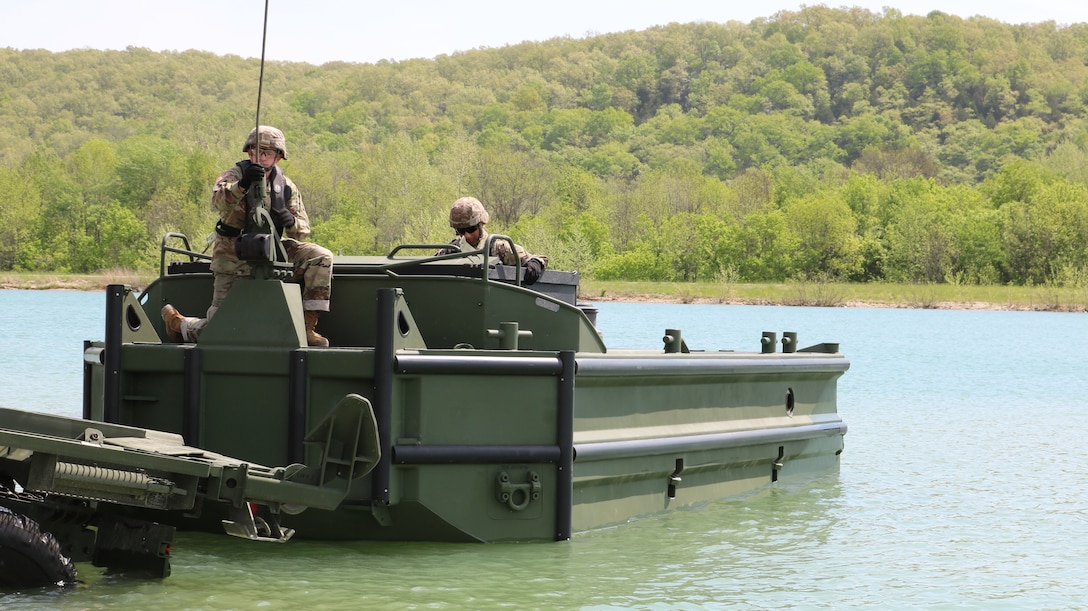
[(251, 173), (533, 269), (282, 218)]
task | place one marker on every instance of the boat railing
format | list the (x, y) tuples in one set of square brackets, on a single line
[(423, 270), (187, 251), (450, 252), (389, 266)]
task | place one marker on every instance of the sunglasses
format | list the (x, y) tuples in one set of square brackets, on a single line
[(464, 230)]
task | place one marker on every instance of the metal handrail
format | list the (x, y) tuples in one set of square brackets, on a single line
[(455, 254), (421, 247), (187, 251)]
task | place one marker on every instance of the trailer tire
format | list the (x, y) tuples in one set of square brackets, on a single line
[(29, 557)]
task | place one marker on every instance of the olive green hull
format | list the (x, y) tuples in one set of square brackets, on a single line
[(486, 432)]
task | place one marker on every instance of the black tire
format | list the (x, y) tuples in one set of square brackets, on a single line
[(29, 557)]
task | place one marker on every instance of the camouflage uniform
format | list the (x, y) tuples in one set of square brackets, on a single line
[(499, 248), (312, 263), (468, 212)]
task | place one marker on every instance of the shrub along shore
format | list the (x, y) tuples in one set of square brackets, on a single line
[(820, 294)]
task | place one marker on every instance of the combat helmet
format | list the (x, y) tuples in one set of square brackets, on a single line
[(271, 138), (467, 212)]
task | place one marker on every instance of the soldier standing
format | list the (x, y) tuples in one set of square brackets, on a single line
[(234, 197)]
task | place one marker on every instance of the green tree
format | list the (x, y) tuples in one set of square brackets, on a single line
[(826, 233), (1045, 235), (511, 183), (937, 234), (19, 212), (761, 249)]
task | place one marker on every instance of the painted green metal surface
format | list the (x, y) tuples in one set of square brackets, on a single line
[(114, 467), (500, 413)]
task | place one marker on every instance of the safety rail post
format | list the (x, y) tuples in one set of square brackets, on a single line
[(296, 406), (192, 368), (111, 407), (88, 383), (383, 394), (564, 497)]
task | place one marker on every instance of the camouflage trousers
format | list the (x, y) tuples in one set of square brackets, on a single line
[(312, 269)]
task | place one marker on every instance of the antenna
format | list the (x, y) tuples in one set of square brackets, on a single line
[(262, 188), (260, 79)]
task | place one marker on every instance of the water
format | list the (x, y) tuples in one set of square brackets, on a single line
[(962, 486)]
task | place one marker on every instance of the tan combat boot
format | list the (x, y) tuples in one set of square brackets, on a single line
[(173, 320), (313, 338)]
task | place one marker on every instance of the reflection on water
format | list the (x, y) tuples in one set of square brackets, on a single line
[(720, 554), (961, 485)]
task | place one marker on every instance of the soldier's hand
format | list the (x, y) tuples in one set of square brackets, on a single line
[(251, 173), (533, 269), (282, 218)]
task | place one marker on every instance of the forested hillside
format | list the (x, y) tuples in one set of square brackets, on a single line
[(824, 143)]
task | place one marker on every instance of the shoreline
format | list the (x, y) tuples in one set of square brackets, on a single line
[(75, 282), (68, 282), (854, 303)]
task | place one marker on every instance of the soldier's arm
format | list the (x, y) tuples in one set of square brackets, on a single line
[(228, 199), (301, 229)]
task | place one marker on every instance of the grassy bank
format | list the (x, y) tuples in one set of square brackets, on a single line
[(74, 282), (830, 294)]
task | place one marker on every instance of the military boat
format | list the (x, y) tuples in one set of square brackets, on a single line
[(500, 413), (456, 403)]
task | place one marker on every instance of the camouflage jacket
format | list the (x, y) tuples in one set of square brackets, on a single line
[(229, 200), (500, 249)]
